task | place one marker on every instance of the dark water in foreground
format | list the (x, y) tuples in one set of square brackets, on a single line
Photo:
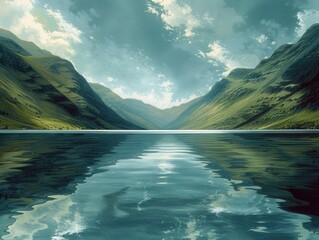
[(159, 186)]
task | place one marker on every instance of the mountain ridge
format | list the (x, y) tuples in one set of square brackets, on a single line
[(281, 92), (46, 92), (30, 47), (136, 111)]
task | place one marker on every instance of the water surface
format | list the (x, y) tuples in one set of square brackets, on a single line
[(262, 185)]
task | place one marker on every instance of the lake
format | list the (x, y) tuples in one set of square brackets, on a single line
[(159, 185)]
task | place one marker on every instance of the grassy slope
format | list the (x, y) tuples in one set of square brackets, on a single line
[(281, 92), (137, 112), (30, 47), (46, 92)]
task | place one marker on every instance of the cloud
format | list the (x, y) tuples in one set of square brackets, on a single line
[(42, 25), (140, 80), (306, 18), (109, 79), (134, 75), (163, 100), (65, 29), (152, 9), (219, 54), (175, 15), (24, 4), (261, 38), (130, 43)]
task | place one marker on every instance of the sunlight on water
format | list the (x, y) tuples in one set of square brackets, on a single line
[(159, 187)]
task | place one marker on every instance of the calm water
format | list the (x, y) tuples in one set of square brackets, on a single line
[(159, 186)]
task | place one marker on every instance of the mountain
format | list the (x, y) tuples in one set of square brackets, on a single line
[(138, 112), (282, 92), (41, 91), (29, 47)]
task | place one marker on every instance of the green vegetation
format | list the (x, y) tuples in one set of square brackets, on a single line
[(29, 47), (41, 91), (45, 92), (280, 93), (137, 112)]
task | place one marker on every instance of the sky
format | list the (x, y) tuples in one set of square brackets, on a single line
[(163, 52)]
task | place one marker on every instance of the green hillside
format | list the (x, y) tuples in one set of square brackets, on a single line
[(41, 91), (281, 92), (29, 47), (45, 92), (137, 112)]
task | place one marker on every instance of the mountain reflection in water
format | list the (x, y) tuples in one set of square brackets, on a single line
[(159, 186)]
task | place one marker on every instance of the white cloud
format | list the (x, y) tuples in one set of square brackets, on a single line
[(218, 53), (24, 4), (66, 29), (208, 19), (167, 84), (306, 18), (175, 15), (109, 79), (152, 9), (20, 17), (163, 101), (261, 38)]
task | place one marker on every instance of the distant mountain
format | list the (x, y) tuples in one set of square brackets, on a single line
[(138, 112), (281, 92), (41, 91)]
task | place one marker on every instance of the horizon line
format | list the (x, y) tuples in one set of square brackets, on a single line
[(93, 131)]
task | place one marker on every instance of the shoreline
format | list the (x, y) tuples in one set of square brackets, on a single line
[(274, 131)]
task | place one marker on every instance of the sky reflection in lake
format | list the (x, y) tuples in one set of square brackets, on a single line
[(117, 186)]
